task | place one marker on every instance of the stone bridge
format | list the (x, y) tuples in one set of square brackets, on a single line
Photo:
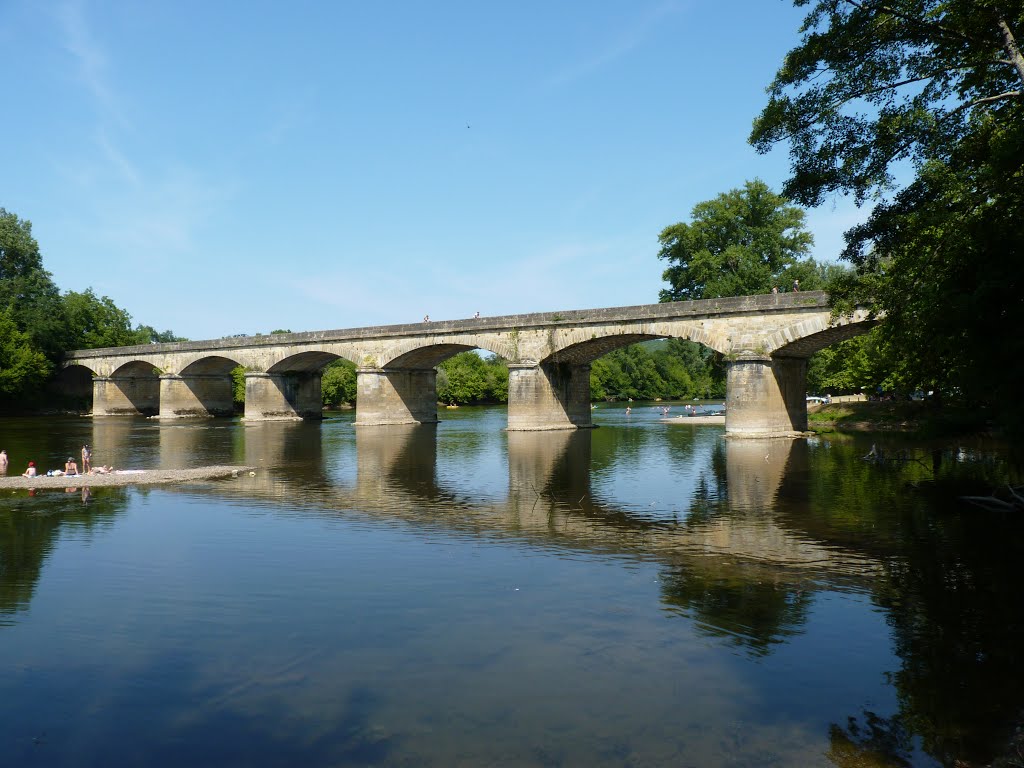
[(766, 341)]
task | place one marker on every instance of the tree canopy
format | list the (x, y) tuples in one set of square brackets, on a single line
[(742, 242), (918, 106), (874, 83)]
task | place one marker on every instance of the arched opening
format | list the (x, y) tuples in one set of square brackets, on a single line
[(337, 376), (202, 388), (294, 387), (71, 389), (647, 367), (131, 390), (842, 362)]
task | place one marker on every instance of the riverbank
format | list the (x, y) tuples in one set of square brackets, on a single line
[(912, 416), (124, 477)]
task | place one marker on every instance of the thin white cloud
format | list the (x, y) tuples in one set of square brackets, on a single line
[(92, 64), (144, 215), (117, 159), (627, 40)]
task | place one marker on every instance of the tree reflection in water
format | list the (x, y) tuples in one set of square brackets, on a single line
[(31, 524)]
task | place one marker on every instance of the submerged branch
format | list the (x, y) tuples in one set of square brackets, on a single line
[(995, 504)]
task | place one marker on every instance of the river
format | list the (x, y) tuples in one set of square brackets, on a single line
[(640, 594)]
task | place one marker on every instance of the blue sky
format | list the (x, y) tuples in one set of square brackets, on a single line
[(221, 168)]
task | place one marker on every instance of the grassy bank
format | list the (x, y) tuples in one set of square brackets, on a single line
[(897, 416)]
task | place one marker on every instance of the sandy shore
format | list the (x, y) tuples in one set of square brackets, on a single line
[(694, 420), (124, 477)]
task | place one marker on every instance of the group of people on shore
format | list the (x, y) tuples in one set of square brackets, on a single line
[(71, 467)]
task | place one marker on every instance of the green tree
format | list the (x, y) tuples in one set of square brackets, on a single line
[(23, 368), (93, 321), (855, 365), (668, 369), (462, 379), (743, 242), (496, 373), (147, 334), (918, 105), (607, 379), (338, 383), (27, 289), (238, 387)]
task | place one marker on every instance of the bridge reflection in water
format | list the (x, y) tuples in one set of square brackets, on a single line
[(550, 499), (730, 560)]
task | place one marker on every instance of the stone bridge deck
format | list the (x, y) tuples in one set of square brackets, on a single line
[(765, 339)]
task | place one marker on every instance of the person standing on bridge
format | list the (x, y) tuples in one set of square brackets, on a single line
[(426, 318), (796, 286)]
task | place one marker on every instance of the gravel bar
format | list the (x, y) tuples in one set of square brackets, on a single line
[(124, 477), (694, 420)]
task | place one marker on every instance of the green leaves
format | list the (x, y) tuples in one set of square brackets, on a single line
[(671, 369), (875, 83), (743, 242), (22, 367), (468, 378), (338, 383), (93, 321)]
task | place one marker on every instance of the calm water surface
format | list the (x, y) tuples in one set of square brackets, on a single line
[(642, 594)]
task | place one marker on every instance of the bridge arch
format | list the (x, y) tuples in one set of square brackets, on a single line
[(578, 347), (428, 353), (585, 352), (137, 369), (806, 338), (310, 361), (131, 389), (73, 384), (210, 366)]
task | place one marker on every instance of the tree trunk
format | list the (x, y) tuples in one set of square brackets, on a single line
[(1012, 49)]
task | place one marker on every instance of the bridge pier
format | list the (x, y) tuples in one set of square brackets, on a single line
[(548, 396), (283, 396), (125, 396), (197, 395), (766, 396), (396, 396)]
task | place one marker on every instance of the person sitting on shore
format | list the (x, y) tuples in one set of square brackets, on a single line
[(70, 467), (31, 471), (101, 470)]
